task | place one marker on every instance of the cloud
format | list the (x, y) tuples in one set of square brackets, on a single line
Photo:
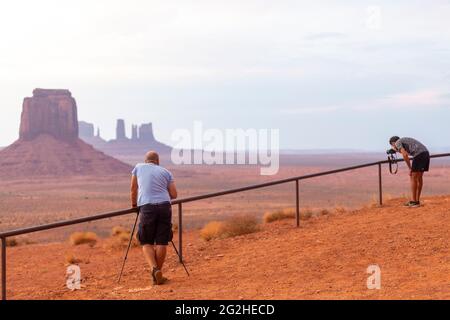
[(421, 98), (325, 36), (310, 110)]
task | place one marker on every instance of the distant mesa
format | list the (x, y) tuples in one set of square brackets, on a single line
[(49, 143), (89, 135), (142, 139), (52, 112)]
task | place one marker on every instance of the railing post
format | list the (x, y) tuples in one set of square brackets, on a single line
[(3, 268), (380, 185), (297, 202), (180, 231)]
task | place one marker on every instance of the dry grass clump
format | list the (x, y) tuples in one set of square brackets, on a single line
[(290, 213), (240, 225), (78, 238), (12, 242), (118, 230), (212, 230), (306, 214), (231, 228), (279, 215), (340, 210), (120, 237), (71, 259)]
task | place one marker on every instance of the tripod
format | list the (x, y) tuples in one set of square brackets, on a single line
[(129, 246)]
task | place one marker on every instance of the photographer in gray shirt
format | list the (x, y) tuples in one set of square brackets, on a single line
[(410, 147)]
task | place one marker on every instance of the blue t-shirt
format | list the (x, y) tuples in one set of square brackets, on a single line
[(153, 182)]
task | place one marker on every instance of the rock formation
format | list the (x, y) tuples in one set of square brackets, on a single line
[(86, 130), (48, 143), (146, 133), (49, 111), (134, 133), (120, 130), (142, 140)]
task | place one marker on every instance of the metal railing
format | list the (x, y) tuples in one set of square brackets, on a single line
[(180, 202)]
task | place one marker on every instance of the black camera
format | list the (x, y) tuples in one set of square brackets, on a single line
[(391, 152), (392, 160)]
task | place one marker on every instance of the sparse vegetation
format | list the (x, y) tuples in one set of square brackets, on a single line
[(240, 225), (212, 230), (71, 259), (279, 215), (78, 238), (306, 214), (236, 226), (290, 213), (116, 231), (12, 242), (340, 210), (121, 237)]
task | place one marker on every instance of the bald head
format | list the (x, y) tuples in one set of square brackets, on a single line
[(152, 157)]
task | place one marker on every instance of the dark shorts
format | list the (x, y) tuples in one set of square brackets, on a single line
[(155, 227), (421, 162)]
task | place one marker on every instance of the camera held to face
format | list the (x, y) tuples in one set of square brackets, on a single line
[(391, 152)]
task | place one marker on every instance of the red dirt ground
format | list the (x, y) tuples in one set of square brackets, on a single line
[(326, 258)]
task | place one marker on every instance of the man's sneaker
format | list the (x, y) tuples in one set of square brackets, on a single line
[(164, 280), (409, 203), (157, 276), (414, 204)]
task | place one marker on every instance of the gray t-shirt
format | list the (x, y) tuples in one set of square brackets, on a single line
[(412, 146), (153, 182)]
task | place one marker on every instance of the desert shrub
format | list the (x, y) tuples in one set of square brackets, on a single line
[(340, 210), (116, 231), (239, 226), (279, 215), (306, 214), (71, 259), (236, 226), (12, 242), (212, 230), (121, 237), (289, 213), (324, 212), (78, 238), (373, 203)]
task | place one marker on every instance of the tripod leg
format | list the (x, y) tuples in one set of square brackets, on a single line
[(128, 249), (185, 269)]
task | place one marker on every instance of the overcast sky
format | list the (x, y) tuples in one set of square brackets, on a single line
[(328, 74)]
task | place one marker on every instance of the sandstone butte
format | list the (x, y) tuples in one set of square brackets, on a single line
[(49, 145)]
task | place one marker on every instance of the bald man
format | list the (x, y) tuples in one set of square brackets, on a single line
[(152, 189)]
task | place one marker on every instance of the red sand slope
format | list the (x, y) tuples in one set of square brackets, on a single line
[(47, 156), (326, 258)]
